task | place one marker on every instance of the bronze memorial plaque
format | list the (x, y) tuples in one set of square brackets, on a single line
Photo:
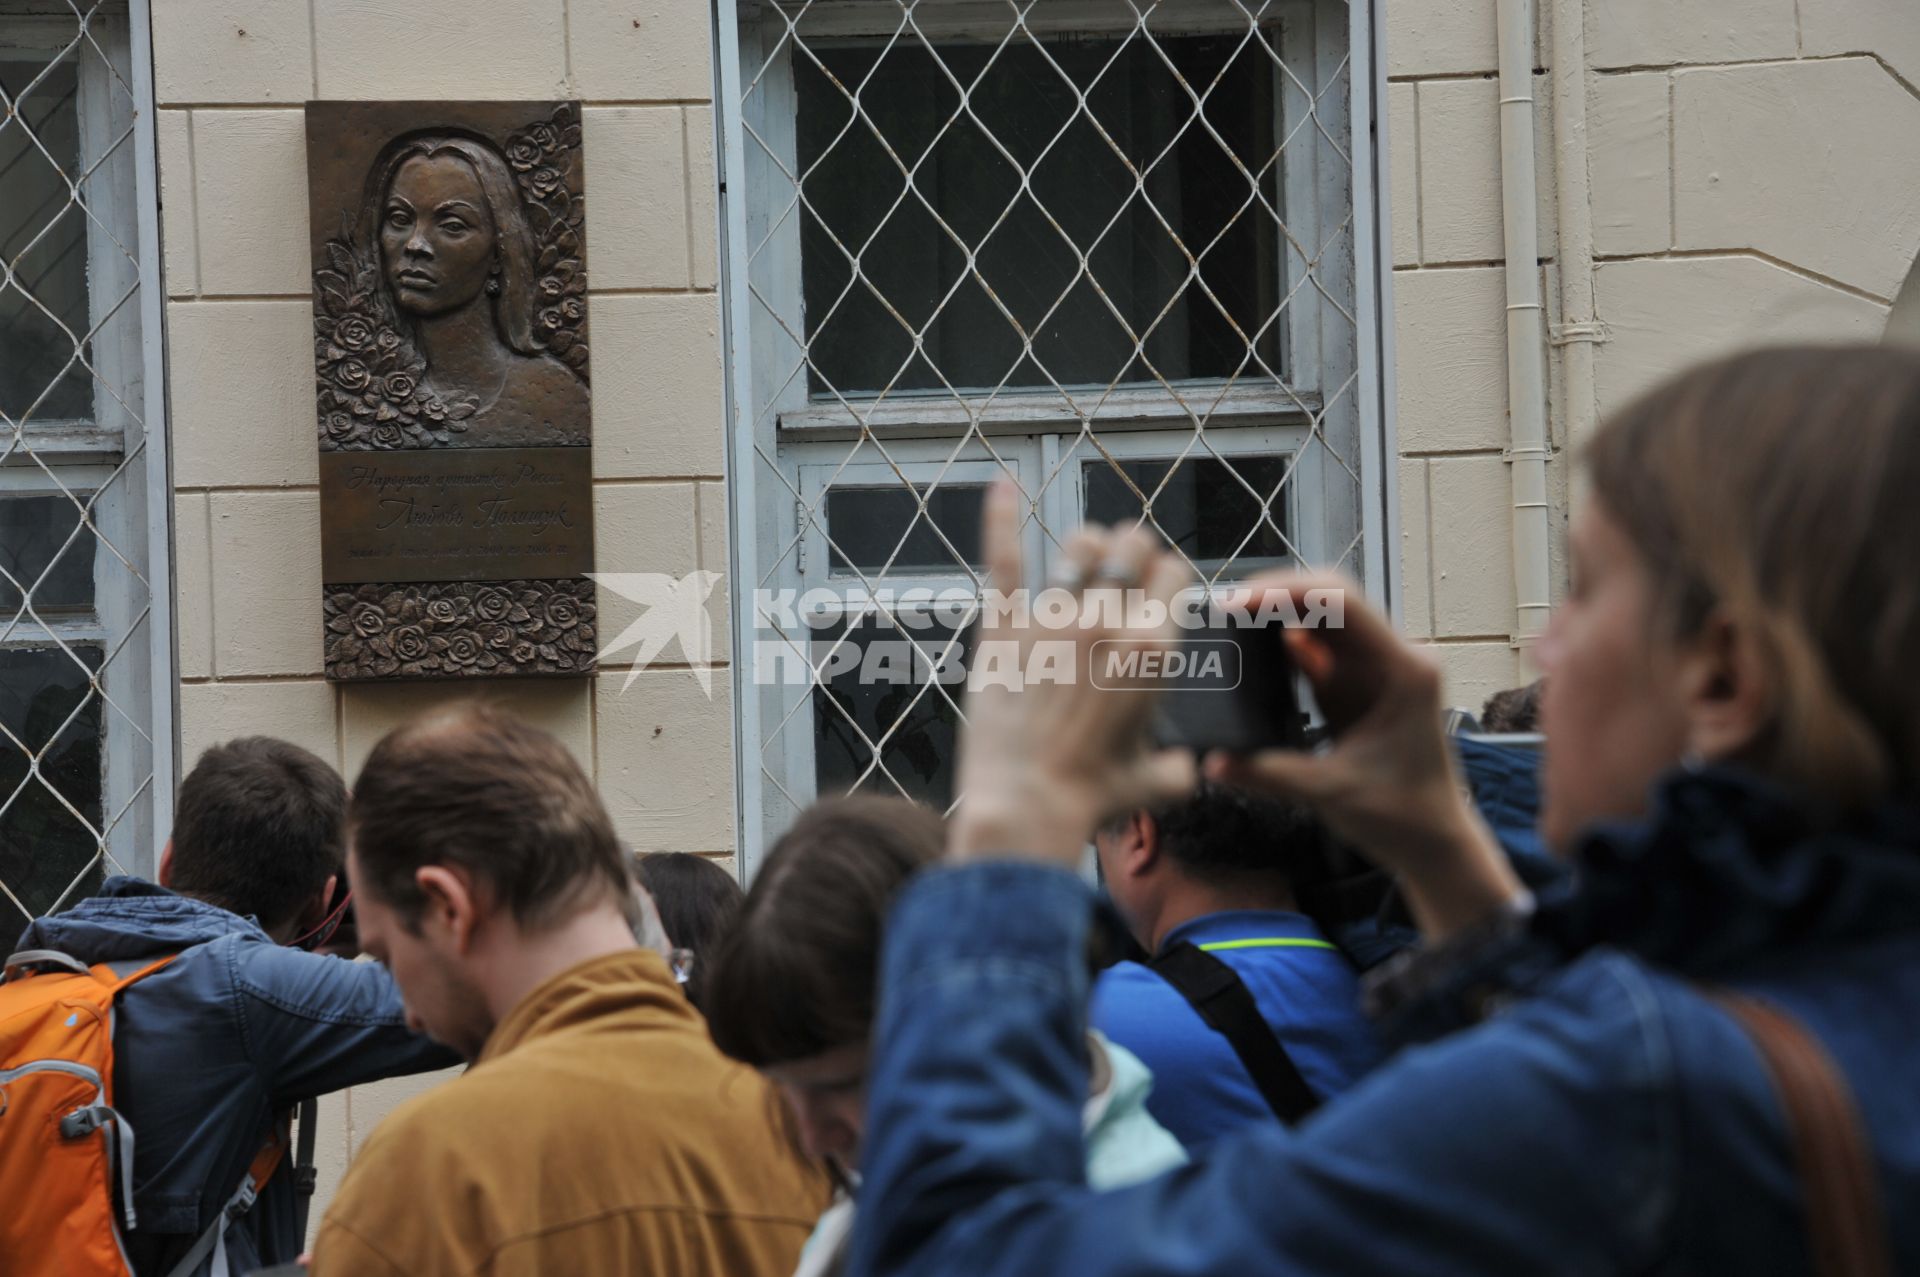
[(450, 343)]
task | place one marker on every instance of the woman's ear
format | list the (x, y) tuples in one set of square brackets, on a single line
[(1728, 689)]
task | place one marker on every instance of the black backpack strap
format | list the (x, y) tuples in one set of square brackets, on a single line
[(1216, 991), (305, 1176)]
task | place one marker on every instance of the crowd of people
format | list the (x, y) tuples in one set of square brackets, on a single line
[(1404, 1002)]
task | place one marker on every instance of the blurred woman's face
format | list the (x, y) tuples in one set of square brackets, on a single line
[(1613, 708), (437, 236), (827, 1094)]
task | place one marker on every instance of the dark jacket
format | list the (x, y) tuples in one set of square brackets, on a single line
[(208, 1049), (1611, 1119), (1505, 783)]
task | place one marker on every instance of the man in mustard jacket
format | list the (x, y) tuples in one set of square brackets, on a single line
[(599, 1130)]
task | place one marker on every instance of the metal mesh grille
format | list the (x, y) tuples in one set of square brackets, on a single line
[(1105, 248), (76, 601)]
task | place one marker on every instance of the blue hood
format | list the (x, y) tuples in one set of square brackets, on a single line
[(1505, 781), (1730, 869), (132, 918)]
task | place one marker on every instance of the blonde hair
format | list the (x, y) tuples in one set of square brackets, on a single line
[(1781, 489)]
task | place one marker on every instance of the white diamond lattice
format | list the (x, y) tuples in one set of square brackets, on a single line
[(76, 719), (1294, 368)]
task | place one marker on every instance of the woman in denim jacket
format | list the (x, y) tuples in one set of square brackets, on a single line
[(1733, 765)]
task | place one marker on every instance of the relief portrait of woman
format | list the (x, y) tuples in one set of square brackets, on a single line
[(451, 309)]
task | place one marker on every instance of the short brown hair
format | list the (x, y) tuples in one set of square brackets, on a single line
[(796, 975), (1778, 487), (259, 827), (480, 789), (1517, 709)]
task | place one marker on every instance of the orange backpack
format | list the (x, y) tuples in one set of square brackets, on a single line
[(66, 1157)]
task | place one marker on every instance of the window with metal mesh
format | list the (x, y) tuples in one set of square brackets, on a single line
[(1104, 248), (78, 646)]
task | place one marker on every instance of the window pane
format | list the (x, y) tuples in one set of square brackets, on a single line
[(32, 530), (867, 523), (43, 846), (876, 693), (43, 233), (1201, 506), (1025, 117)]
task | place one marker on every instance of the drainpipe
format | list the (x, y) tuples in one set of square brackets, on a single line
[(1526, 339), (1579, 329)]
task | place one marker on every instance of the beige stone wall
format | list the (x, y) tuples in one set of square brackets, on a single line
[(230, 79), (1755, 173)]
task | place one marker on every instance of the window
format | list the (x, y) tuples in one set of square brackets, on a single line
[(82, 730), (1106, 249), (1069, 142)]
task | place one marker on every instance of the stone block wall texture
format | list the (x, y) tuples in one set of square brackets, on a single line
[(1755, 176), (230, 78)]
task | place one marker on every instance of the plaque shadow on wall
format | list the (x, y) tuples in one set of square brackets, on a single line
[(453, 390)]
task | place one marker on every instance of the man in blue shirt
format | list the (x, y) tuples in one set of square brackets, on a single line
[(1215, 874), (242, 1025)]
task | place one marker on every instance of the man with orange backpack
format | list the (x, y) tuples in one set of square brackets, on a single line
[(154, 1038)]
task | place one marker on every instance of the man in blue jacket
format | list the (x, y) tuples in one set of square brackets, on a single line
[(239, 1028), (1246, 1013)]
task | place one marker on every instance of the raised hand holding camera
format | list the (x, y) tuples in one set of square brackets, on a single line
[(1387, 784), (1043, 762)]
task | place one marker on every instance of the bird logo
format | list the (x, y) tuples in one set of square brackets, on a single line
[(672, 607)]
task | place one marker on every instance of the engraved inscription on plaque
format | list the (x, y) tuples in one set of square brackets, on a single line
[(452, 394), (468, 514)]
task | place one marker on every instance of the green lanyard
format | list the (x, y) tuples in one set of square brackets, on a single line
[(1266, 942)]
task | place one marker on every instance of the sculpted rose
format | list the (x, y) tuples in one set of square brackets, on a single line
[(563, 611), (367, 620), (400, 386), (353, 375), (409, 643), (523, 153), (464, 649), (354, 333), (492, 605)]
